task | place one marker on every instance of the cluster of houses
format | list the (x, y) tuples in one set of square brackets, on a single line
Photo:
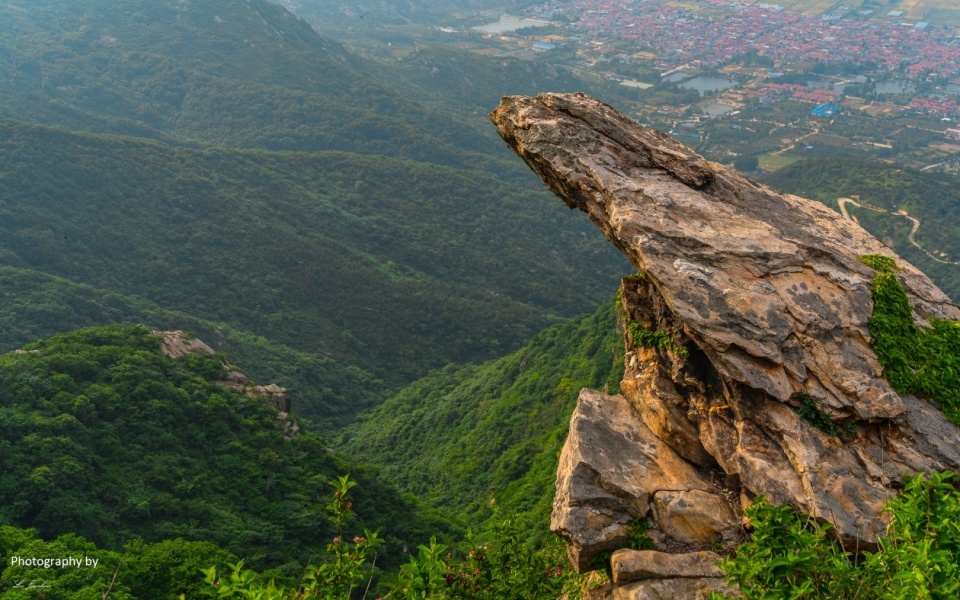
[(679, 35), (934, 106)]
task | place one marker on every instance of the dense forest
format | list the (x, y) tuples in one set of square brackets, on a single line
[(492, 431), (393, 196), (103, 436), (450, 266)]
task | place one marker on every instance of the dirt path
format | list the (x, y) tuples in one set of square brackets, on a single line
[(911, 237)]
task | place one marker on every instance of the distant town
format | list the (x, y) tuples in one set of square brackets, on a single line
[(761, 84)]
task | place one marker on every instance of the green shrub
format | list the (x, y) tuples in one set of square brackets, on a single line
[(809, 411), (504, 563), (792, 556), (659, 340), (915, 361)]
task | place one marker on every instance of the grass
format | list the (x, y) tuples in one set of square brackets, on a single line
[(774, 162)]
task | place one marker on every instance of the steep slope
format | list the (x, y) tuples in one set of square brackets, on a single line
[(105, 436), (446, 265), (774, 348), (234, 73), (464, 435)]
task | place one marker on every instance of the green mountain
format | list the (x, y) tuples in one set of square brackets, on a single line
[(930, 198), (104, 436), (464, 435), (387, 265), (358, 13), (37, 305), (423, 244), (246, 74)]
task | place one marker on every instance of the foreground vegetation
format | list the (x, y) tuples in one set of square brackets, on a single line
[(501, 563), (792, 556)]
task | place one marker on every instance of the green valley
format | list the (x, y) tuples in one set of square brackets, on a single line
[(388, 265), (465, 436)]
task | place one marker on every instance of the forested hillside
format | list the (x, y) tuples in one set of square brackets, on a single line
[(344, 13), (244, 74), (37, 305), (391, 266), (931, 198), (103, 436), (416, 244), (466, 435)]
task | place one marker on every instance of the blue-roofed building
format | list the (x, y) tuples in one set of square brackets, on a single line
[(921, 25), (544, 46), (826, 110)]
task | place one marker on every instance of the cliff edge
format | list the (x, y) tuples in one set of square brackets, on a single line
[(751, 307)]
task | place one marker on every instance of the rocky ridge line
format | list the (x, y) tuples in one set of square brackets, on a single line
[(759, 303), (176, 344)]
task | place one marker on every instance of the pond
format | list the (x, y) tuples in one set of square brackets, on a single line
[(893, 87), (715, 109), (507, 23), (709, 83)]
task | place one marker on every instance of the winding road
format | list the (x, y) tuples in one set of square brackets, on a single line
[(911, 237)]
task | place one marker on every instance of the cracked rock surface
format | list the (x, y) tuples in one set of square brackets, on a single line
[(766, 302)]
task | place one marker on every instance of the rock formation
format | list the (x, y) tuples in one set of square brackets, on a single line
[(176, 344), (750, 302)]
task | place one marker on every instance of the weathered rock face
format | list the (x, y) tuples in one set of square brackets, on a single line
[(614, 469), (765, 302)]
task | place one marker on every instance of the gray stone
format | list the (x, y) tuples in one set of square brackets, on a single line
[(634, 565)]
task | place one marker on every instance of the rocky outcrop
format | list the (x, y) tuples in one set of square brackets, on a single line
[(176, 344), (614, 469), (749, 303)]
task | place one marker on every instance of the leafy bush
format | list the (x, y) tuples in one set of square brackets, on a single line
[(502, 564), (162, 570), (809, 410), (791, 555), (343, 570), (659, 340)]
